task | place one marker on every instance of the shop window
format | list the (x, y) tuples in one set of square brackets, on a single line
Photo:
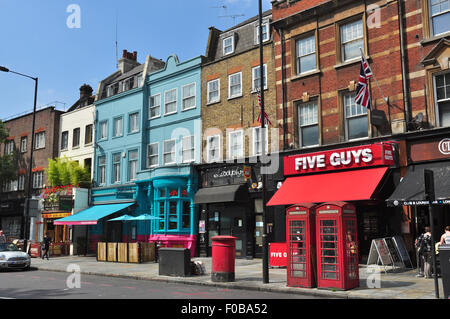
[(442, 84), (439, 16), (308, 124), (306, 55), (173, 208), (356, 120)]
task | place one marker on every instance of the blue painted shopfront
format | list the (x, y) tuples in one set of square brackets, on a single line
[(172, 107)]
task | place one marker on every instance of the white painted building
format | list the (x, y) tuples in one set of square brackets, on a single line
[(76, 139)]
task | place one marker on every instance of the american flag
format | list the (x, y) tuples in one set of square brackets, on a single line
[(362, 91), (266, 117)]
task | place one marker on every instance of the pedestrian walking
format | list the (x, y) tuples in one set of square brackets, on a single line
[(425, 247), (46, 246), (445, 238), (2, 237), (419, 255)]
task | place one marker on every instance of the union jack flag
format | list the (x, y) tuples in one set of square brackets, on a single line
[(266, 117), (362, 91)]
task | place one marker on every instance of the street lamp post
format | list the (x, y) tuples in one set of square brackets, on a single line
[(25, 226), (265, 244)]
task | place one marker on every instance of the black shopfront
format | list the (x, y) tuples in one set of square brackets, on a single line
[(231, 203), (11, 217)]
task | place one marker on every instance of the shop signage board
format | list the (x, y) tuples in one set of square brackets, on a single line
[(364, 156), (278, 255), (432, 149), (379, 253), (393, 251), (401, 247)]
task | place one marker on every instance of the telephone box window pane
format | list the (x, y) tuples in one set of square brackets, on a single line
[(297, 249), (328, 249)]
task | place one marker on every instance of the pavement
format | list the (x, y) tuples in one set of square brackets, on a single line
[(375, 282)]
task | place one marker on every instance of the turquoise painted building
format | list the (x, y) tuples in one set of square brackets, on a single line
[(167, 182)]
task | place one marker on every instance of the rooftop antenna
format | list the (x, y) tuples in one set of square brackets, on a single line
[(117, 48), (234, 16), (226, 11)]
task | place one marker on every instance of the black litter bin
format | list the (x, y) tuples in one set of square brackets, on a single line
[(174, 262), (444, 256)]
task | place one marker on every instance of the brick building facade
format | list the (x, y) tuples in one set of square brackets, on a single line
[(12, 195)]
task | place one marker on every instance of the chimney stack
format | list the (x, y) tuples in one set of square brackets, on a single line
[(128, 61), (85, 91)]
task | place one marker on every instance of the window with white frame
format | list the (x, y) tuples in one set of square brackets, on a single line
[(256, 77), (352, 40), (40, 140), (306, 54), (187, 149), (102, 170), (169, 152), (188, 96), (118, 127), (439, 16), (9, 147), (153, 154), (133, 157), (236, 144), (235, 85), (38, 179), (442, 84), (213, 148), (24, 144), (257, 140), (170, 101), (88, 134), (116, 168), (21, 185), (103, 130), (133, 123), (308, 124), (228, 45), (265, 32), (356, 120), (213, 91), (155, 106)]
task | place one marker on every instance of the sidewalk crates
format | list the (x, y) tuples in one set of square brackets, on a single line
[(300, 233), (337, 249)]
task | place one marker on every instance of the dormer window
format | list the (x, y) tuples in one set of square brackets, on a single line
[(265, 32), (228, 45)]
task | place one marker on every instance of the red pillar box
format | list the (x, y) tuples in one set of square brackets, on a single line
[(300, 239), (337, 244), (223, 258)]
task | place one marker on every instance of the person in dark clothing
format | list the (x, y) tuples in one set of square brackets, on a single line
[(46, 246)]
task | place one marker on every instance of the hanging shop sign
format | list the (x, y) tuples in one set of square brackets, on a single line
[(55, 215), (230, 175), (354, 157)]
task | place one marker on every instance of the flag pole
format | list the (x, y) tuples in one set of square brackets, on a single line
[(386, 100)]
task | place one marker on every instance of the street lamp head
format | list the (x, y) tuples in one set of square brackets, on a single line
[(3, 69)]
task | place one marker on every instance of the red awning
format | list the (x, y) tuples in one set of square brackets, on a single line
[(342, 186)]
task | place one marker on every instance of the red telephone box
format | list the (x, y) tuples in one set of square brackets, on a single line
[(300, 239), (337, 245)]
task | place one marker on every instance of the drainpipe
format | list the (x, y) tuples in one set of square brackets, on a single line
[(283, 94), (404, 66)]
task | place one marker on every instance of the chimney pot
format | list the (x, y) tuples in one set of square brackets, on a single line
[(124, 54)]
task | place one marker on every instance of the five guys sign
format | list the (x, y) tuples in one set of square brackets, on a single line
[(345, 158)]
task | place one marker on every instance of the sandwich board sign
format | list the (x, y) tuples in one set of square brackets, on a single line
[(379, 252), (403, 252), (393, 251)]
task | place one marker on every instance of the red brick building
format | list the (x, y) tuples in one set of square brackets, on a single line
[(13, 193), (318, 47)]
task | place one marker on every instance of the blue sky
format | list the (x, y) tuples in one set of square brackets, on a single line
[(35, 40)]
